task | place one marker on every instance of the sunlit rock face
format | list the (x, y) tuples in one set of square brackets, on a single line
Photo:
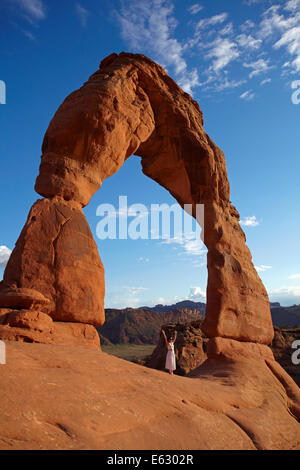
[(131, 106)]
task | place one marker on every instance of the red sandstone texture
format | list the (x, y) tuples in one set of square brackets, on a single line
[(37, 327), (21, 298), (66, 397), (190, 347), (130, 105), (57, 256)]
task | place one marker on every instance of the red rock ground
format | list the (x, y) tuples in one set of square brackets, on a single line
[(68, 397)]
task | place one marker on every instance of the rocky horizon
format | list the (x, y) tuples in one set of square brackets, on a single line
[(142, 325)]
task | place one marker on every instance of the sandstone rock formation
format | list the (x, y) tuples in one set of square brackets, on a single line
[(21, 298), (38, 327), (66, 397), (70, 397), (57, 256), (190, 348), (130, 105)]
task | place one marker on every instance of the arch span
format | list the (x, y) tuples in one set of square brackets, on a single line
[(131, 106)]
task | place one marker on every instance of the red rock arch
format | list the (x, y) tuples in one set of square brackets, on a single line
[(131, 106)]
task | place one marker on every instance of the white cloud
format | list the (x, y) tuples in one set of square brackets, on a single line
[(134, 290), (287, 295), (247, 96), (249, 221), (35, 9), (294, 276), (275, 22), (259, 66), (212, 21), (226, 83), (294, 290), (291, 40), (146, 260), (82, 14), (283, 21), (117, 300), (28, 34), (248, 41), (272, 22), (191, 244), (148, 25), (189, 80), (292, 5), (4, 255), (266, 80), (223, 52), (124, 297), (194, 9), (196, 293), (206, 28), (227, 30), (194, 247), (247, 26), (252, 2), (262, 268)]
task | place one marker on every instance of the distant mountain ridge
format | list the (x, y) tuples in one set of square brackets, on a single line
[(200, 306), (281, 316), (142, 325), (286, 316)]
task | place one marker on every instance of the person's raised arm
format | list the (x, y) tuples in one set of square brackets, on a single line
[(164, 335)]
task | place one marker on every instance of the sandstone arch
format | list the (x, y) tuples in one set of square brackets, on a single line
[(131, 106)]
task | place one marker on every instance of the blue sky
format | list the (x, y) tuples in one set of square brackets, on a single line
[(238, 59)]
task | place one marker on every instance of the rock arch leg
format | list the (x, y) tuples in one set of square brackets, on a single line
[(131, 106)]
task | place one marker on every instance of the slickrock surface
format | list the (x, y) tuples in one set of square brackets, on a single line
[(66, 397)]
